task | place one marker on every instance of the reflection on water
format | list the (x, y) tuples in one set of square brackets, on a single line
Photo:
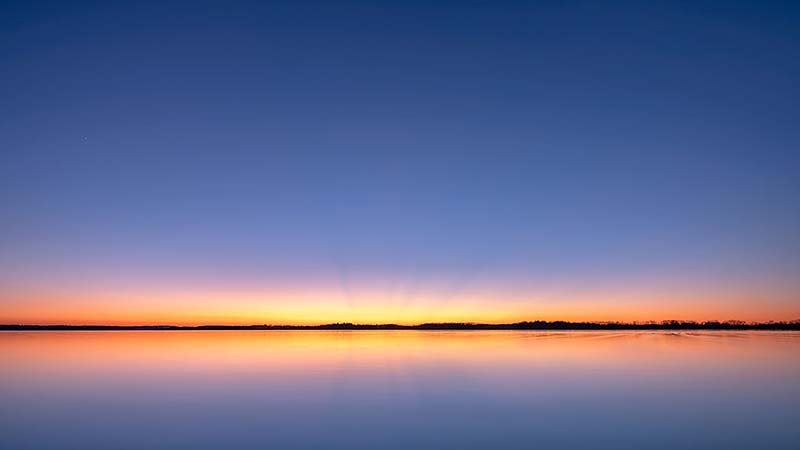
[(399, 389)]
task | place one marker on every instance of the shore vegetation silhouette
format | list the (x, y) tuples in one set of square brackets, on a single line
[(525, 325)]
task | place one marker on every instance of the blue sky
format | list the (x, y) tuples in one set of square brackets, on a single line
[(398, 144)]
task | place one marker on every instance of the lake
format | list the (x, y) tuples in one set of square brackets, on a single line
[(399, 390)]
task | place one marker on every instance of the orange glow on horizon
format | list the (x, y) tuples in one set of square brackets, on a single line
[(314, 308)]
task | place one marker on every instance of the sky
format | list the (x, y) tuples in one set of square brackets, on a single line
[(314, 162)]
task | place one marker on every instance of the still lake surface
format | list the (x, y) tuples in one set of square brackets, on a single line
[(399, 389)]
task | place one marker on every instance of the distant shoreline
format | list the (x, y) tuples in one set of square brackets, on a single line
[(535, 325)]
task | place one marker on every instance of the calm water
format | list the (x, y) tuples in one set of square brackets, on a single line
[(399, 389)]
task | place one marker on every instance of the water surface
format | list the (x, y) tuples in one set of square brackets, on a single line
[(399, 389)]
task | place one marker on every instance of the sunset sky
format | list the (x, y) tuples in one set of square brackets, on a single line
[(314, 162)]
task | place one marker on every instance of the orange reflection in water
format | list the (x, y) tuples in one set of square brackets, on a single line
[(315, 353)]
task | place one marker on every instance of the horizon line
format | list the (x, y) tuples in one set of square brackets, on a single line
[(669, 324)]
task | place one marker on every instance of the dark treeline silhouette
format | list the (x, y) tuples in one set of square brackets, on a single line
[(528, 325)]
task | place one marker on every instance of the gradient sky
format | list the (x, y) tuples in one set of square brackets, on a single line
[(307, 162)]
